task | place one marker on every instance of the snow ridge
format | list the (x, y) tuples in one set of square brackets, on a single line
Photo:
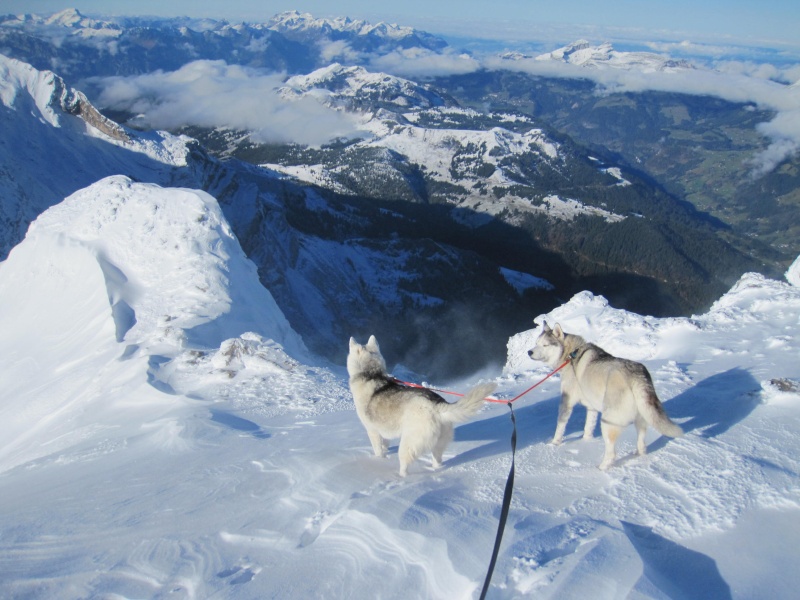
[(124, 272), (170, 254)]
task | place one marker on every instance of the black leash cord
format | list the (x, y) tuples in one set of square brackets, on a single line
[(506, 505)]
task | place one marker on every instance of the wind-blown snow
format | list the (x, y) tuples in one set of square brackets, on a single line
[(163, 432)]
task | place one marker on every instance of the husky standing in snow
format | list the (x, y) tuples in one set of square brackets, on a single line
[(422, 419), (620, 389)]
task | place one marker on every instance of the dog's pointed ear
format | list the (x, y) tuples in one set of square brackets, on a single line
[(558, 332), (353, 343), (546, 328), (372, 344)]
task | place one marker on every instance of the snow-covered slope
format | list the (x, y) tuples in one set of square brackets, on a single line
[(151, 447), (718, 501), (124, 276), (420, 130), (356, 89), (55, 142), (51, 99)]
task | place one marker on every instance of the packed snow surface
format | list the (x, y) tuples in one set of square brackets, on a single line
[(164, 433)]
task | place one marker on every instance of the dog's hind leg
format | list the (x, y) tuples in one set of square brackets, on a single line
[(610, 434), (378, 443), (591, 423), (641, 430), (445, 437)]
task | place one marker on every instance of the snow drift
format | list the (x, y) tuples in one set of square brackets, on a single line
[(117, 272)]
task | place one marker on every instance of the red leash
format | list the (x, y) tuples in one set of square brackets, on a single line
[(496, 400), (537, 384)]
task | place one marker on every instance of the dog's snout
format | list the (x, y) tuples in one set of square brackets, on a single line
[(530, 353)]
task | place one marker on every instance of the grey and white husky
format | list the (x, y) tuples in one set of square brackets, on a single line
[(422, 419), (622, 390)]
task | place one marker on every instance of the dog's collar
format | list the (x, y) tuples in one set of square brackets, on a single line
[(371, 376), (576, 354)]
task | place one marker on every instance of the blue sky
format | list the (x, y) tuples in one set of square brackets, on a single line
[(766, 23)]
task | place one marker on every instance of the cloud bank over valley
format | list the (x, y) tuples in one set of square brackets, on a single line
[(215, 94)]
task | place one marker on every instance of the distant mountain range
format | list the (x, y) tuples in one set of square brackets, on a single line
[(481, 199), (79, 47), (583, 54)]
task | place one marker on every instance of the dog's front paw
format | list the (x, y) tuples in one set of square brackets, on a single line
[(556, 441)]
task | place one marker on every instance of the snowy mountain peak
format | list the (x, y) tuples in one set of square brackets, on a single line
[(51, 96), (296, 21), (68, 22), (354, 86), (581, 53), (66, 18), (294, 24), (570, 49)]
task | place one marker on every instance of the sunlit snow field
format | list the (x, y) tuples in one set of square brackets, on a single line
[(164, 433)]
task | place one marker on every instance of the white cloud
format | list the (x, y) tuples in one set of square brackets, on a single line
[(215, 94), (784, 131), (691, 48), (752, 69), (338, 51), (420, 62)]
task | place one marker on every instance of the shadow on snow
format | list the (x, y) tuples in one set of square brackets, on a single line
[(535, 423), (714, 405), (676, 570), (711, 407)]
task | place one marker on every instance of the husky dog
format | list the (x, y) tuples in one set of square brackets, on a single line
[(620, 389), (422, 419)]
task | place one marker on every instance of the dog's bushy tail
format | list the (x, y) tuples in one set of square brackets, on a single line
[(468, 405), (652, 410)]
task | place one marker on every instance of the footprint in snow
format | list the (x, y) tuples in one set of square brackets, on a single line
[(237, 575), (314, 527)]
